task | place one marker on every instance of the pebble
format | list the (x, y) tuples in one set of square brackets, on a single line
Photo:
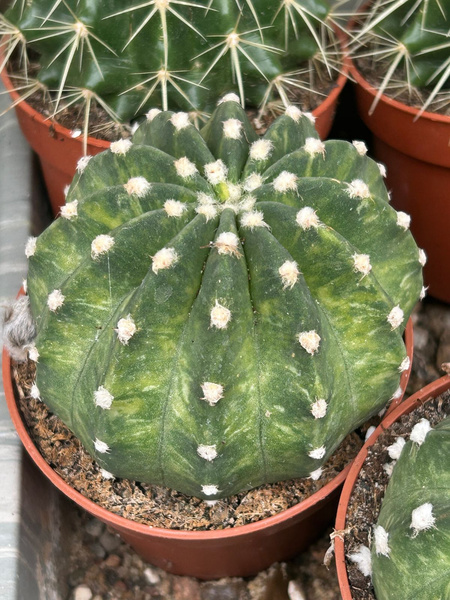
[(98, 550), (95, 527), (113, 561), (109, 541), (82, 592), (151, 576)]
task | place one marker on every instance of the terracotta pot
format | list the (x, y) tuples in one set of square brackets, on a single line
[(416, 152), (427, 393), (59, 152), (242, 551)]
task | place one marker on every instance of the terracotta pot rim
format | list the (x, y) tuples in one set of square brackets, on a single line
[(96, 142), (409, 110), (140, 528), (428, 392)]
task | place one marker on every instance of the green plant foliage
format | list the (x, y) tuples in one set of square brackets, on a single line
[(216, 311), (416, 517)]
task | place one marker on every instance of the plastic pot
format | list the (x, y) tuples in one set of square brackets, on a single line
[(59, 152), (429, 392), (416, 152), (242, 551)]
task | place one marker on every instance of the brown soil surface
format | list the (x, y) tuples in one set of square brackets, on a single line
[(365, 502)]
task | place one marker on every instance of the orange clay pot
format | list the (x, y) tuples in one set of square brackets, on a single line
[(241, 551), (429, 392), (416, 152), (59, 152)]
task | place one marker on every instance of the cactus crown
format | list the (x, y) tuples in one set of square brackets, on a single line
[(408, 42), (173, 53), (411, 548), (215, 310)]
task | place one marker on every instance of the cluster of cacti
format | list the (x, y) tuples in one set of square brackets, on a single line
[(216, 310), (173, 53), (407, 42), (411, 546)]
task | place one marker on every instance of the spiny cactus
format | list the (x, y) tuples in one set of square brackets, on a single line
[(407, 40), (215, 310), (175, 53), (411, 548)]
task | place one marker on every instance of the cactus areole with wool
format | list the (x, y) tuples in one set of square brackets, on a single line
[(216, 311), (411, 548)]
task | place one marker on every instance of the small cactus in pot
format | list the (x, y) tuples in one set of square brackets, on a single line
[(411, 544), (172, 53), (214, 310)]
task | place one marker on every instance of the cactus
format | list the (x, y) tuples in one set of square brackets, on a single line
[(411, 548), (408, 41), (178, 54), (216, 311)]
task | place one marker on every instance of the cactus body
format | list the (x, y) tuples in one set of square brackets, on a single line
[(416, 516), (177, 54), (216, 311)]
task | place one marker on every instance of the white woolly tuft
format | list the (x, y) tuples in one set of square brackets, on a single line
[(405, 364), (318, 453), (381, 541), (25, 285), (397, 394), (403, 220), (180, 120), (395, 449), (30, 246), (358, 189), (261, 149), (70, 210), (33, 354), (232, 129), (319, 408), (247, 204), (388, 468), (125, 330), (420, 431), (253, 182), (216, 172), (285, 182), (314, 146), (152, 114), (66, 190), (294, 591), (234, 192), (205, 198), (289, 274), (106, 474), (310, 341), (253, 219), (185, 168), (422, 257), (121, 146), (220, 316), (103, 398), (101, 447), (315, 475), (422, 518), (164, 259), (137, 186), (83, 163), (363, 560), (210, 490), (294, 112), (382, 169), (369, 432), (209, 211), (227, 243), (55, 300), (361, 148), (361, 263), (101, 244), (34, 392), (310, 117), (423, 292), (307, 218), (209, 453), (229, 98), (395, 317), (212, 392), (174, 208)]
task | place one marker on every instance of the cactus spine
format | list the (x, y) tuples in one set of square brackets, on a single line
[(215, 310), (414, 521)]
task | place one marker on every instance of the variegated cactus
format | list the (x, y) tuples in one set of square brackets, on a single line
[(172, 53), (411, 547), (216, 311)]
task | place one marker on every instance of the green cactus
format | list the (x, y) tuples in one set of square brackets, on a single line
[(178, 54), (408, 41), (411, 549), (216, 311)]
